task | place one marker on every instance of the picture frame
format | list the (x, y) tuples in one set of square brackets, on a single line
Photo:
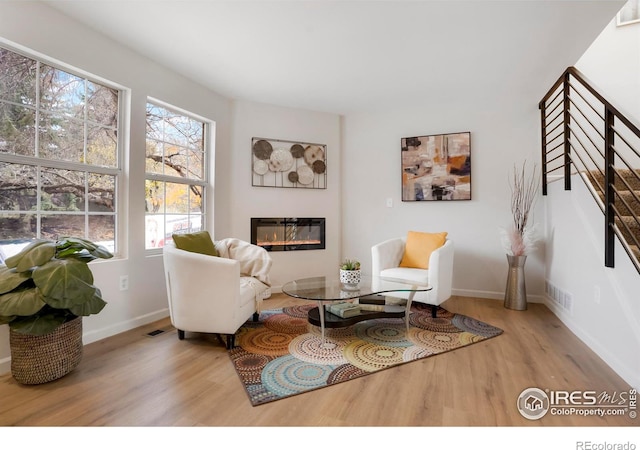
[(629, 13), (436, 167), (288, 164)]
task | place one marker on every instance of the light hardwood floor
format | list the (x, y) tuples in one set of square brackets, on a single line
[(135, 380)]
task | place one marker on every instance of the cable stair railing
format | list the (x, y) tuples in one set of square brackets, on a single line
[(584, 134)]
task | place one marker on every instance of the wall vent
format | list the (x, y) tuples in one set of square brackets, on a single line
[(558, 296)]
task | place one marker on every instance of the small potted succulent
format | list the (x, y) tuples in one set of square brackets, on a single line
[(350, 273)]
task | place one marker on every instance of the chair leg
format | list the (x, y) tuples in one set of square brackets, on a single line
[(231, 341), (181, 334), (256, 316), (434, 310)]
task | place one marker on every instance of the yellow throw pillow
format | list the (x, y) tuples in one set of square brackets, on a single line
[(199, 242), (419, 247)]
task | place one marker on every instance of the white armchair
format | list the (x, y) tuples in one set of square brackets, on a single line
[(385, 262), (216, 294)]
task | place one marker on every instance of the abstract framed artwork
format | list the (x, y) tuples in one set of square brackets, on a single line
[(289, 164), (436, 167)]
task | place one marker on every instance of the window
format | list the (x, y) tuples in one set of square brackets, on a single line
[(59, 154), (175, 174)]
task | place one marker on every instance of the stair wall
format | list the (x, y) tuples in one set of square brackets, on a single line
[(604, 310)]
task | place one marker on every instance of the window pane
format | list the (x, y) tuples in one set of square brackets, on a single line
[(196, 223), (17, 78), (178, 224), (176, 129), (61, 138), (154, 157), (61, 92), (175, 161), (154, 231), (154, 122), (188, 131), (154, 196), (18, 187), (196, 164), (177, 198), (17, 129), (62, 190), (102, 146), (17, 227), (102, 105), (102, 230), (102, 193), (175, 144), (195, 199), (54, 226)]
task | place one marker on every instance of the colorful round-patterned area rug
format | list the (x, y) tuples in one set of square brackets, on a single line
[(283, 355)]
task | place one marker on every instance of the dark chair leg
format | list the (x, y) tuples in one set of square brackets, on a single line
[(181, 334), (434, 310), (231, 341), (256, 316)]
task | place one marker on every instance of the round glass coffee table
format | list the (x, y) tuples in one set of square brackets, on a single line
[(325, 290)]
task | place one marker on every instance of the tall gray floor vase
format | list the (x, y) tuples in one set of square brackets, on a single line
[(515, 296)]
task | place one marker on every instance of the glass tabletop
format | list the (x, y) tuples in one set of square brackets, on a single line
[(325, 288)]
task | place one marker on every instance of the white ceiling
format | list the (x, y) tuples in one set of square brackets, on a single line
[(352, 56)]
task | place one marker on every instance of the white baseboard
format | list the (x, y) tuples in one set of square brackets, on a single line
[(627, 373), (493, 295), (112, 330), (5, 365), (276, 289)]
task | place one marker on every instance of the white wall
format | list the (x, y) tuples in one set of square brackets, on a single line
[(75, 45), (258, 120), (605, 312), (612, 64), (371, 174)]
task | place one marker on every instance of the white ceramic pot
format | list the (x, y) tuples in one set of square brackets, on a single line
[(350, 278)]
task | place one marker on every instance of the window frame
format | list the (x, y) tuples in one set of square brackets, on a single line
[(204, 183), (38, 162)]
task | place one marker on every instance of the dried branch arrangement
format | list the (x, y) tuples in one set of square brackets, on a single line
[(520, 239)]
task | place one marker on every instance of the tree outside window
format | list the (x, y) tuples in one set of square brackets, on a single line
[(175, 174), (59, 154)]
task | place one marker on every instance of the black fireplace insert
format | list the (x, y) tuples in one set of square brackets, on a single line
[(280, 234)]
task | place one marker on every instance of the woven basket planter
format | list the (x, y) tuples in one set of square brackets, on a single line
[(40, 359)]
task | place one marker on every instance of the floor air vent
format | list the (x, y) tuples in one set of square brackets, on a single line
[(155, 333)]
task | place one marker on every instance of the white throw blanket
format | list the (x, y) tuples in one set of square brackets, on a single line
[(254, 260)]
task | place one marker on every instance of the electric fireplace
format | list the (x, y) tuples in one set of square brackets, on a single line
[(288, 233)]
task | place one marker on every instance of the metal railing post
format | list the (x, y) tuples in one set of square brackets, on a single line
[(609, 191), (567, 121), (543, 121)]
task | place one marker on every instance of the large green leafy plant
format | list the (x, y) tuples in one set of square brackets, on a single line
[(49, 283)]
